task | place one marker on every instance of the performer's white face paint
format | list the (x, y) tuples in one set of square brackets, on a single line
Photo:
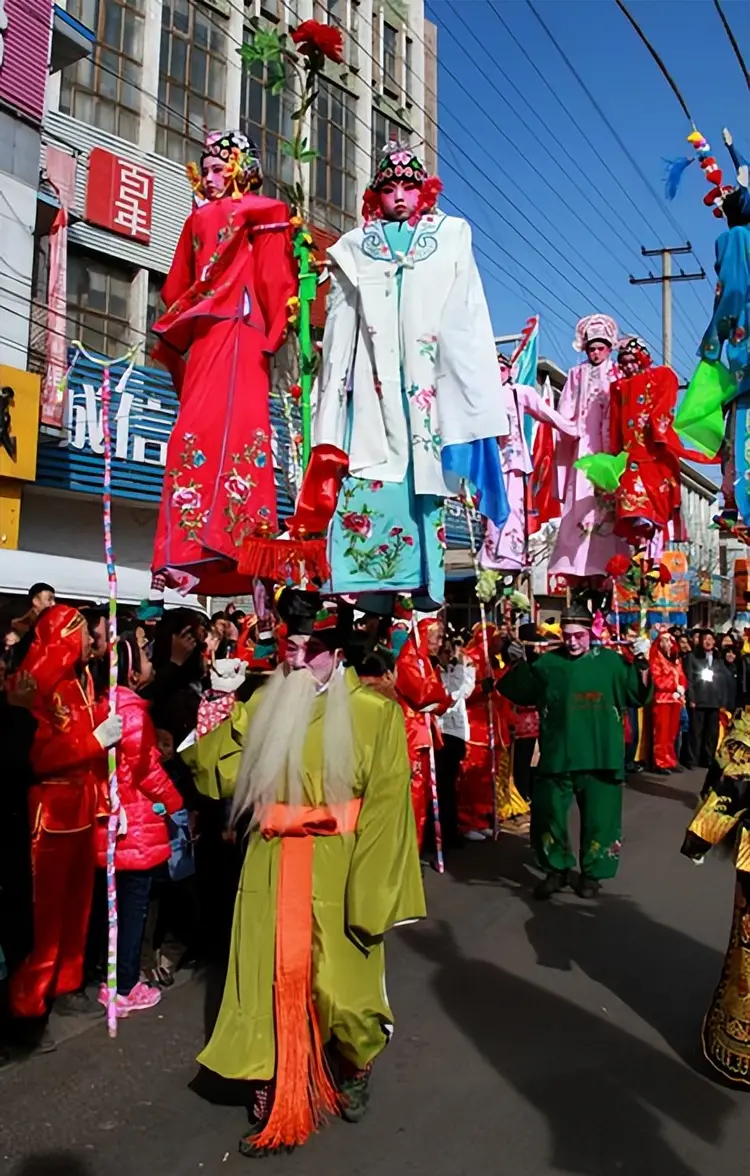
[(400, 199), (597, 352), (577, 639), (312, 654), (214, 180), (505, 372)]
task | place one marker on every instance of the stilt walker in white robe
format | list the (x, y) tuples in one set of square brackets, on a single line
[(410, 399)]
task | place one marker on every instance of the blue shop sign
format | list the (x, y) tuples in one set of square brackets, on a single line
[(143, 412)]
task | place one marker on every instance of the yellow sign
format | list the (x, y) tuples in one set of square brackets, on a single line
[(19, 423)]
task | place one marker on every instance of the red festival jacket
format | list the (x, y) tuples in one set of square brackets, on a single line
[(70, 765), (418, 686), (668, 676)]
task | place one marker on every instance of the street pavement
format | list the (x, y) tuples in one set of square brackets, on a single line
[(530, 1039)]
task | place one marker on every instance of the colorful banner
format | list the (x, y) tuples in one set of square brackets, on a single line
[(525, 362), (671, 601)]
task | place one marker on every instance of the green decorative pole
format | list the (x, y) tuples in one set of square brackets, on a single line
[(308, 284)]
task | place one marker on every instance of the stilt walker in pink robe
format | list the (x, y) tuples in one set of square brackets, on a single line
[(586, 539), (507, 550)]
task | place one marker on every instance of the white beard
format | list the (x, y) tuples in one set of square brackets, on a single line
[(272, 769)]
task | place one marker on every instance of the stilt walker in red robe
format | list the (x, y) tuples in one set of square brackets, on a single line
[(226, 296), (475, 788), (69, 761), (423, 697)]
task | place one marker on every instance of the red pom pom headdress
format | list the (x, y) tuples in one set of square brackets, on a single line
[(400, 162)]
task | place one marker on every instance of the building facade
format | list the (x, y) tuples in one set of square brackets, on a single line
[(116, 134)]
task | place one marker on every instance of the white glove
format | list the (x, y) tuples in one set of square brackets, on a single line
[(109, 732), (641, 647), (228, 674)]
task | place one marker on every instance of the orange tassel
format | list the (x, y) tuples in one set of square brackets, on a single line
[(284, 559), (304, 1093)]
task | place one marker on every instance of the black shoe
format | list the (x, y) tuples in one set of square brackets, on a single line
[(677, 770), (78, 1004), (355, 1096), (552, 884), (587, 887), (637, 769), (660, 771)]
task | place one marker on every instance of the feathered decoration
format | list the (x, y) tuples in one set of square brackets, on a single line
[(673, 174)]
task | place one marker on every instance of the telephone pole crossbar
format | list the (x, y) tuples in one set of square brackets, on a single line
[(665, 280)]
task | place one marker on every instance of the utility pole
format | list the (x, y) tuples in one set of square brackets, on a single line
[(665, 281)]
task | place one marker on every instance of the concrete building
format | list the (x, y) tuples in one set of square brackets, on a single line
[(118, 130)]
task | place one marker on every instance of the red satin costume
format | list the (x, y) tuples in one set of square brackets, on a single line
[(226, 293), (70, 767), (670, 684), (422, 696), (475, 785)]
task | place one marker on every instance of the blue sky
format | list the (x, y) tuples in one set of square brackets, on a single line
[(585, 251)]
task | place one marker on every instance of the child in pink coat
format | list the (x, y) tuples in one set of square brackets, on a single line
[(146, 796)]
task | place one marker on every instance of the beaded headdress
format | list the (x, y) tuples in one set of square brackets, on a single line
[(241, 159)]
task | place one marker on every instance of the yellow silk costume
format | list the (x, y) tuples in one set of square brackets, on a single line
[(363, 883)]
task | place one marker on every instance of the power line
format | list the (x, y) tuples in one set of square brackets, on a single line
[(733, 42)]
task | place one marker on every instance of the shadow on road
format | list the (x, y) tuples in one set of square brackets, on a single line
[(653, 786), (661, 974), (600, 1090), (52, 1164)]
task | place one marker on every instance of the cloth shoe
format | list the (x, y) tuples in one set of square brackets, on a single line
[(355, 1096), (474, 835), (552, 884), (76, 1004), (587, 887)]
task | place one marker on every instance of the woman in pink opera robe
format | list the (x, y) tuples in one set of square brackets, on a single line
[(506, 550), (586, 539)]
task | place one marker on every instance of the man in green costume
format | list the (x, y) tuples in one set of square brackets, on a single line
[(581, 692), (319, 764)]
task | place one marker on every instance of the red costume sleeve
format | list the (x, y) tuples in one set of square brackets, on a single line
[(663, 403), (616, 440), (275, 279), (56, 749), (182, 270), (417, 689)]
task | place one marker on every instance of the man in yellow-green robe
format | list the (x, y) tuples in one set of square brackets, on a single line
[(319, 763)]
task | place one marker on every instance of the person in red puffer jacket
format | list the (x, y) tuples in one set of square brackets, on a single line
[(146, 796)]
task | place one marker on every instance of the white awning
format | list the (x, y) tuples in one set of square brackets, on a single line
[(78, 579)]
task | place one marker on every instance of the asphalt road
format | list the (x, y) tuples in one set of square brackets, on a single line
[(530, 1039)]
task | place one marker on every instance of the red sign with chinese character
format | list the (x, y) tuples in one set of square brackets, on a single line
[(119, 195)]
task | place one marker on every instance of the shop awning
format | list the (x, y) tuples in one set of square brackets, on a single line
[(78, 579)]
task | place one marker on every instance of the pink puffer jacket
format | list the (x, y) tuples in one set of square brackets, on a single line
[(142, 783)]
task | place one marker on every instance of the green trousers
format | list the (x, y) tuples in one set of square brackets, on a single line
[(599, 799)]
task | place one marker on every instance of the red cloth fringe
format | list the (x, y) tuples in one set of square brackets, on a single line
[(285, 559)]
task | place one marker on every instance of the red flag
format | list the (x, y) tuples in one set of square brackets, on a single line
[(542, 503)]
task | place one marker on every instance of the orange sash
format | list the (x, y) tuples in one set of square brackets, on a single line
[(304, 1092)]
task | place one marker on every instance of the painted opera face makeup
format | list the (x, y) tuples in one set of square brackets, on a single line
[(310, 653), (597, 352), (399, 199), (577, 639), (214, 179)]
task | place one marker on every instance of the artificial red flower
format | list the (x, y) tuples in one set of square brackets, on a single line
[(617, 566), (312, 37), (665, 576), (295, 391)]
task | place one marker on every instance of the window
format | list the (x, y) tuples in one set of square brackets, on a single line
[(266, 118), (104, 90), (154, 310), (192, 79), (98, 304), (334, 184), (409, 71), (390, 58), (384, 129)]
